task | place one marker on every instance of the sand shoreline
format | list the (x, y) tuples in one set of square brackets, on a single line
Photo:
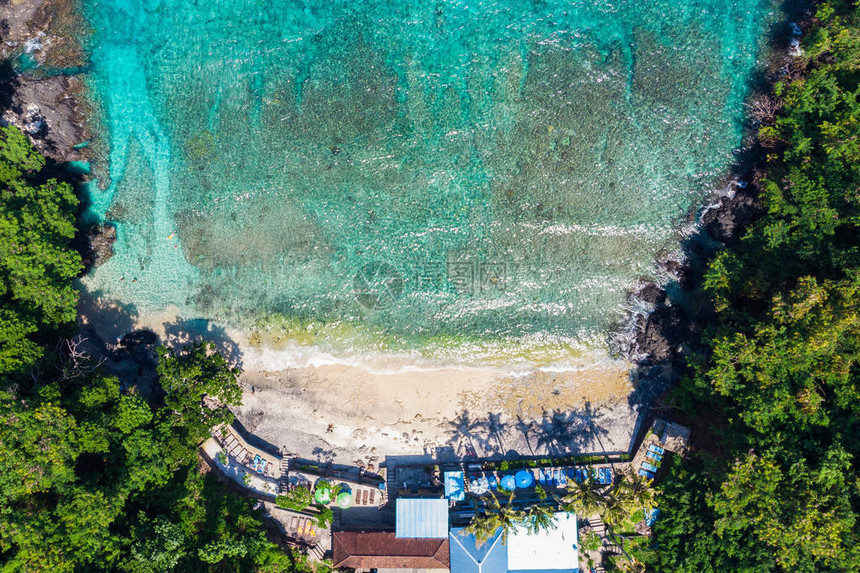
[(358, 409)]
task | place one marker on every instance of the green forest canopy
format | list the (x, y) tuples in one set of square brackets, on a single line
[(94, 477), (774, 486)]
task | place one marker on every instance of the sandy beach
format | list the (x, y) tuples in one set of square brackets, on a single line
[(360, 409)]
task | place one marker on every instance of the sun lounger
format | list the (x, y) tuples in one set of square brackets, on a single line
[(372, 497), (294, 522), (560, 478), (649, 467), (656, 449), (542, 477), (646, 474), (654, 456)]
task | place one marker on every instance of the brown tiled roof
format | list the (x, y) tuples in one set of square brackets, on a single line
[(380, 549)]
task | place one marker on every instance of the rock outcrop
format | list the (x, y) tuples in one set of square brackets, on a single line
[(726, 221), (47, 110), (98, 245)]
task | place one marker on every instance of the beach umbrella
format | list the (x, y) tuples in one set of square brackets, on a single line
[(322, 495), (508, 482), (344, 499), (480, 486), (524, 479)]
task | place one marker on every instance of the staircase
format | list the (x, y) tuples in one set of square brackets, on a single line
[(284, 479)]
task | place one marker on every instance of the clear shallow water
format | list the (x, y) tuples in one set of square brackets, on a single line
[(410, 172)]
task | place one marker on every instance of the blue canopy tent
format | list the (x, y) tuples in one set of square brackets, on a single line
[(455, 488)]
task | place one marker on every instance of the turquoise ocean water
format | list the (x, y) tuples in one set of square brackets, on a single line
[(425, 171)]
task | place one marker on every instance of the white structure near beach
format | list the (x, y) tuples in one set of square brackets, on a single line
[(546, 551)]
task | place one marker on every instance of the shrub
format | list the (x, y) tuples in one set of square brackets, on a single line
[(325, 516), (296, 499)]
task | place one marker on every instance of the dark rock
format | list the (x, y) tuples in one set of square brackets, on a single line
[(726, 222), (680, 271), (664, 331), (651, 293), (98, 246), (139, 337), (46, 110)]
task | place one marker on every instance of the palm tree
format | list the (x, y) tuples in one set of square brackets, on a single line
[(583, 498), (483, 527), (509, 516), (615, 510), (540, 517), (494, 515), (637, 490)]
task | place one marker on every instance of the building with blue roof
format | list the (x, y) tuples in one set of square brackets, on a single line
[(467, 556), (421, 518), (547, 551)]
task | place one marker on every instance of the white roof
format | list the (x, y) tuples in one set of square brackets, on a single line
[(552, 550)]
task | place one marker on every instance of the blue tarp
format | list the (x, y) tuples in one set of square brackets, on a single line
[(651, 516), (455, 486), (420, 518)]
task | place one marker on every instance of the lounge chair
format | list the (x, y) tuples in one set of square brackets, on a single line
[(372, 497), (542, 477), (491, 479), (561, 478), (649, 467), (656, 449), (653, 455), (646, 474)]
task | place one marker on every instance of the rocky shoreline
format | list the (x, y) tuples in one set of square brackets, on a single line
[(37, 94), (665, 320), (42, 94)]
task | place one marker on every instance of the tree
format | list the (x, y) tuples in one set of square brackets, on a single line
[(492, 516), (297, 498), (37, 265), (540, 517), (199, 384), (583, 498)]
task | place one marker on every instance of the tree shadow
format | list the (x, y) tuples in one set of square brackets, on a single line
[(324, 455), (462, 434), (103, 319), (565, 433), (188, 331), (557, 434)]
